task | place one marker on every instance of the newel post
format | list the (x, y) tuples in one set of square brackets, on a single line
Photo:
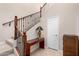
[(25, 42), (15, 29)]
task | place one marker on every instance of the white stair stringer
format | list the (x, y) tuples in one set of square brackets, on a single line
[(5, 49)]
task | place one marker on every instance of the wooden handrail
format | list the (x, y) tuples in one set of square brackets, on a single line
[(43, 5), (29, 15), (8, 22), (20, 18), (25, 16)]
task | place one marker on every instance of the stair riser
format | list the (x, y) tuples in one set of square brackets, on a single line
[(6, 53), (9, 43)]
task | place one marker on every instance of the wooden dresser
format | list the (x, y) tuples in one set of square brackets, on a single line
[(70, 45)]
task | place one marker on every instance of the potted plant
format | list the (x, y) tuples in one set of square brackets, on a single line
[(38, 30)]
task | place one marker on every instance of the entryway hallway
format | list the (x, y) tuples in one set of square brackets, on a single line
[(47, 52)]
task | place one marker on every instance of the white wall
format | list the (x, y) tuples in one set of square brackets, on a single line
[(31, 34), (67, 14), (77, 25), (7, 13)]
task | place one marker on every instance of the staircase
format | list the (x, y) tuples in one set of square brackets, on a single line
[(22, 25), (6, 48)]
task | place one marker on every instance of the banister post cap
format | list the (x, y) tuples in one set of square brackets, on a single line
[(15, 16)]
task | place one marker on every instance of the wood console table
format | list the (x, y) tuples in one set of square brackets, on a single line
[(33, 42)]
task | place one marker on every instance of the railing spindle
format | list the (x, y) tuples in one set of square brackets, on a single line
[(23, 25)]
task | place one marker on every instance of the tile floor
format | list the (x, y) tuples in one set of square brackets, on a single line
[(47, 52), (12, 54)]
